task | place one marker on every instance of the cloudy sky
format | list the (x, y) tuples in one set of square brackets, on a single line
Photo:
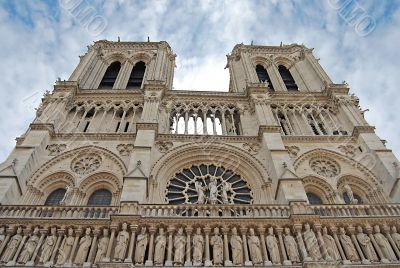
[(41, 40)]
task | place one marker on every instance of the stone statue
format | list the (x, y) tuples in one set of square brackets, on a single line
[(29, 247), (366, 245), (272, 246), (179, 245), (65, 248), (122, 243), (395, 236), (218, 248), (102, 246), (84, 245), (68, 192), (347, 245), (201, 197), (226, 187), (141, 245), (291, 247), (350, 193), (311, 243), (160, 244), (237, 248), (12, 246), (48, 245), (213, 187), (2, 235), (330, 245), (384, 244), (254, 247), (198, 248)]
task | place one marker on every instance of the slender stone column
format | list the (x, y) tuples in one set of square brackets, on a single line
[(321, 242), (279, 231), (131, 243), (339, 246), (31, 262), (247, 262), (152, 231), (368, 228), (20, 246), (261, 231), (170, 231), (227, 261), (386, 231), (60, 233), (351, 230), (72, 254), (188, 261), (300, 242), (93, 247), (5, 242), (110, 244), (207, 261)]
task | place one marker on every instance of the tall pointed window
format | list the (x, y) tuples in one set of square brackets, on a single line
[(110, 76), (137, 74), (287, 78), (263, 76)]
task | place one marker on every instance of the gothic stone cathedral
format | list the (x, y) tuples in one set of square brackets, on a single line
[(119, 170)]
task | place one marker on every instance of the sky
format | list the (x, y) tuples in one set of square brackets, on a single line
[(356, 41)]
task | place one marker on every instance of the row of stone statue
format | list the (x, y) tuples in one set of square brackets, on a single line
[(205, 246)]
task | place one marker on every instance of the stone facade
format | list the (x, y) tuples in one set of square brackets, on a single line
[(118, 169)]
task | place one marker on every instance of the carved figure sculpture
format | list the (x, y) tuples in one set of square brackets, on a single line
[(254, 247), (198, 248), (395, 236), (122, 243), (68, 192), (366, 245), (311, 243), (48, 245), (84, 245), (272, 246), (347, 245), (29, 247), (350, 193), (330, 245), (226, 187), (213, 191), (237, 248), (179, 245), (2, 235), (384, 244), (141, 245), (102, 246), (291, 247), (218, 246), (160, 244), (12, 246), (201, 197), (65, 248)]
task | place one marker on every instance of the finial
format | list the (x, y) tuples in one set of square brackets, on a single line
[(251, 43), (59, 79), (148, 38), (119, 39), (138, 163), (281, 43)]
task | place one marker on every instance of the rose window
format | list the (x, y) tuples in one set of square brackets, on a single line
[(325, 167), (86, 163), (208, 184)]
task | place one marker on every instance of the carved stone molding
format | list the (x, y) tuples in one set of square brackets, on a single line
[(251, 147), (348, 150), (164, 146), (292, 151), (86, 163), (55, 149), (125, 149)]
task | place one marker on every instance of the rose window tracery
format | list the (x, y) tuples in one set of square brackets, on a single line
[(325, 167), (86, 163), (208, 184)]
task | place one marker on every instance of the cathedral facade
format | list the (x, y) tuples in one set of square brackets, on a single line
[(119, 170)]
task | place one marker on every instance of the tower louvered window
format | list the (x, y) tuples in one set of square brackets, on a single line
[(263, 76), (137, 74), (110, 76), (287, 78)]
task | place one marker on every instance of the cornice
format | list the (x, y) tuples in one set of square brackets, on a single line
[(95, 136), (362, 129), (320, 139), (106, 44), (147, 126), (205, 138), (42, 126)]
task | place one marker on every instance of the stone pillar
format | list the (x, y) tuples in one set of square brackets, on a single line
[(60, 233), (247, 262), (386, 231), (31, 262), (279, 231), (131, 243), (188, 261), (72, 254), (261, 231), (170, 231), (368, 228), (110, 244), (300, 242), (207, 261), (20, 246), (5, 242), (338, 245), (321, 242), (93, 247), (227, 261), (351, 231), (149, 262)]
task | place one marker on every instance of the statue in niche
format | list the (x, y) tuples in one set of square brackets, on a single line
[(272, 246), (395, 236), (350, 193), (291, 247), (366, 245), (141, 245), (311, 243), (201, 197), (347, 245), (122, 243), (160, 244), (179, 245), (66, 197), (254, 247), (65, 248), (213, 187), (12, 246), (29, 247), (218, 248), (48, 245), (198, 248), (330, 245), (226, 187), (102, 246), (84, 245), (2, 235), (237, 248), (384, 244)]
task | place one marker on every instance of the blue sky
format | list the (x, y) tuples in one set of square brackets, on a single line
[(41, 40)]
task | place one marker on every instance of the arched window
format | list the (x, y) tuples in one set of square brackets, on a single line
[(137, 74), (100, 197), (314, 199), (55, 197), (346, 198), (287, 78), (263, 76), (110, 76)]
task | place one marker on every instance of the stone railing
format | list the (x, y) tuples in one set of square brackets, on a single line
[(368, 210)]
